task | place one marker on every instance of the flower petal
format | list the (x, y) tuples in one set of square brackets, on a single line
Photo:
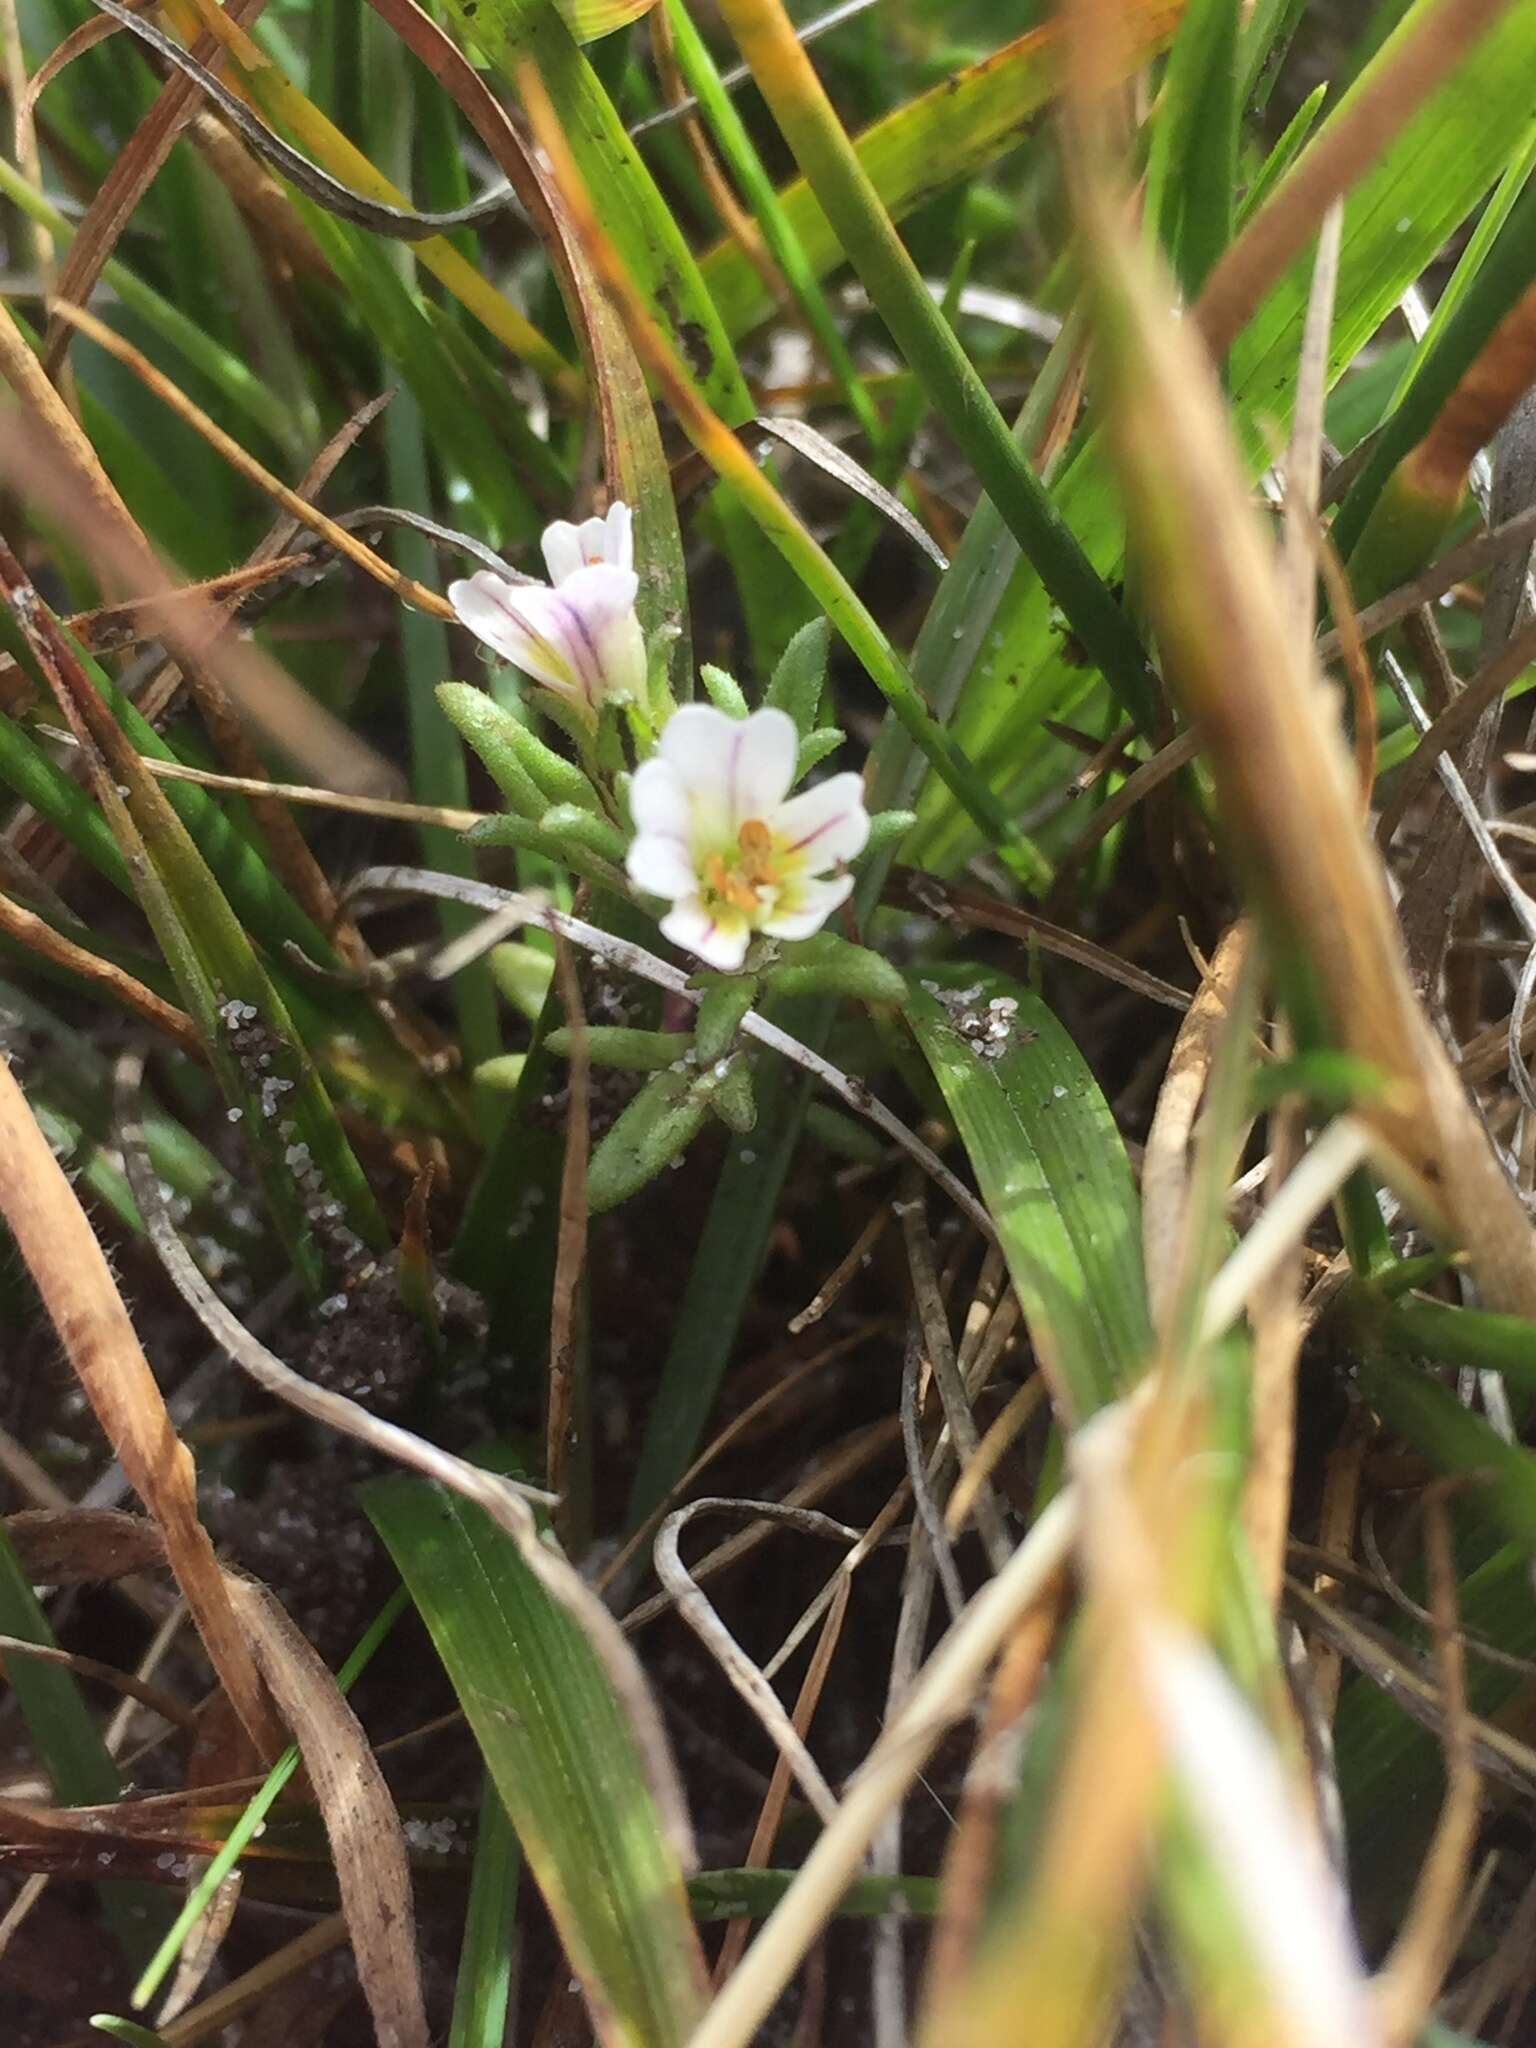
[(825, 823), (594, 543), (807, 908), (738, 768), (658, 800), (619, 540), (582, 641), (511, 618), (659, 865), (561, 544), (720, 942)]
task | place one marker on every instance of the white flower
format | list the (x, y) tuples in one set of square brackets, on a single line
[(578, 634), (719, 836)]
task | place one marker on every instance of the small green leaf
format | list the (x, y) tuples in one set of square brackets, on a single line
[(566, 851), (726, 1000), (816, 746), (733, 1099), (482, 724), (482, 721), (723, 690), (801, 675), (618, 1045), (504, 1071), (844, 1135), (523, 975), (649, 1134), (885, 827), (573, 825), (834, 966)]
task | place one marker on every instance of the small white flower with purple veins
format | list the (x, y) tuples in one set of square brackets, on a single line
[(578, 634), (718, 835)]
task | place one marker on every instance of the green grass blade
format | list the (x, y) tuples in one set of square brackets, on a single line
[(129, 2031), (958, 127), (1284, 153), (77, 1760), (517, 32), (249, 1824), (756, 188), (488, 1954), (1454, 1439), (437, 760), (1053, 1173), (1503, 275), (1193, 163), (1479, 1338), (1396, 220), (79, 1764), (564, 1758), (930, 345)]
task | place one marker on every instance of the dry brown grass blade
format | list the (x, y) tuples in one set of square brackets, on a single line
[(1274, 1312), (83, 1546), (128, 178), (1165, 1169), (76, 1285), (968, 1856), (971, 908), (75, 44), (1286, 784), (112, 981), (764, 1835), (446, 815), (1343, 151), (155, 1697), (209, 2020), (943, 1692), (406, 588), (616, 1570), (38, 457), (113, 627), (737, 224), (1426, 1944), (1454, 726), (367, 1843), (96, 500)]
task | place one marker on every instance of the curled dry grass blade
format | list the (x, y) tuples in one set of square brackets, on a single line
[(124, 186), (77, 1288), (367, 1844), (1286, 787), (253, 74), (49, 458)]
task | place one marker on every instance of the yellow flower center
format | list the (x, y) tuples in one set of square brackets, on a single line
[(737, 873)]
